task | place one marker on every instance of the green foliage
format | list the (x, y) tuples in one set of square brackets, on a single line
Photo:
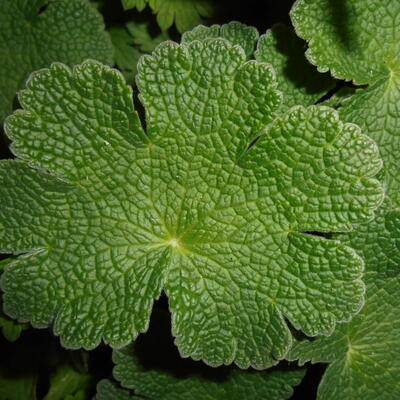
[(184, 13), (359, 40), (363, 354), (157, 384), (68, 31), (299, 82), (130, 43), (214, 196), (186, 207)]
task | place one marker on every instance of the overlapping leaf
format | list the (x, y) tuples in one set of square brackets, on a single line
[(298, 80), (35, 33), (359, 40), (364, 354), (109, 215), (163, 385)]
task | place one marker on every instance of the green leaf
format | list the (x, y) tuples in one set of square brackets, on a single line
[(11, 329), (69, 31), (359, 40), (185, 13), (130, 44), (139, 4), (17, 388), (68, 383), (109, 215), (143, 39), (107, 390), (235, 32), (126, 56), (364, 354), (236, 384), (299, 81)]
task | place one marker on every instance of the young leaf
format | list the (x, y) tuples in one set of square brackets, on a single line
[(359, 40), (185, 13), (109, 215), (130, 44), (163, 385), (67, 383), (364, 354), (69, 31), (126, 56), (299, 82), (139, 4)]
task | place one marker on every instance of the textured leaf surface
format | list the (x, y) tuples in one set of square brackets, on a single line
[(359, 40), (299, 81), (364, 355), (109, 216), (237, 384), (235, 32), (69, 31), (10, 328), (107, 390)]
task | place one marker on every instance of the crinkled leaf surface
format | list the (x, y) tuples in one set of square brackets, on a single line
[(236, 384), (235, 32), (68, 31), (10, 328), (298, 80), (107, 390), (108, 215), (359, 40), (364, 355)]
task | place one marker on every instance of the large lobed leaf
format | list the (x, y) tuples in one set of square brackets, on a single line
[(364, 354), (109, 215), (359, 40), (157, 384), (35, 33)]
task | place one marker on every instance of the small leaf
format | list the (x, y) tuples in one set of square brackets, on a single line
[(66, 382)]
